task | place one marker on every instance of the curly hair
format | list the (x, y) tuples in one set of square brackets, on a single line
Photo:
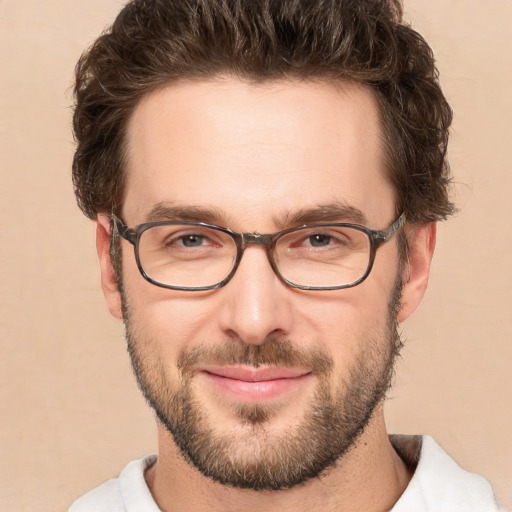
[(153, 43)]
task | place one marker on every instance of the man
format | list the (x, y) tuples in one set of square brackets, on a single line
[(266, 177)]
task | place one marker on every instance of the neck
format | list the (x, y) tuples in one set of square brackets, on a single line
[(370, 477)]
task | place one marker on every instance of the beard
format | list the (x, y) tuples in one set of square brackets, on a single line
[(254, 455)]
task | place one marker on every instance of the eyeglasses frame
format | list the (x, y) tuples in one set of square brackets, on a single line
[(376, 236)]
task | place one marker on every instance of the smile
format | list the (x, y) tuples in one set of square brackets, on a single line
[(255, 384)]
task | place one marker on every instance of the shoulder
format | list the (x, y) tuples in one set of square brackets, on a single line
[(438, 483), (126, 493), (106, 497)]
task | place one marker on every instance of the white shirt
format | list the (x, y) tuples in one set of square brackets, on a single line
[(438, 485)]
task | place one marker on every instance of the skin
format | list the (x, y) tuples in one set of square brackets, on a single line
[(273, 149)]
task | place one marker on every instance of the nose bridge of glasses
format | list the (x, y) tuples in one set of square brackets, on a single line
[(267, 241), (256, 239)]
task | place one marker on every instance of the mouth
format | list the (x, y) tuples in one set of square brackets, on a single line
[(255, 384)]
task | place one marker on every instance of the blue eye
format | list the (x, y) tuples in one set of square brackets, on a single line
[(319, 240), (192, 240)]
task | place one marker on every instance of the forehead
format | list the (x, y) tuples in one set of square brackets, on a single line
[(254, 153)]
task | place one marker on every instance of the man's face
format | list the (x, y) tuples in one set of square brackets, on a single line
[(261, 385)]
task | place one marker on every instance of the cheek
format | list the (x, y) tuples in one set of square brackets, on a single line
[(165, 320), (346, 322)]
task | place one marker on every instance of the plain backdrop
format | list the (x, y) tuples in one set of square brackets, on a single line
[(71, 415)]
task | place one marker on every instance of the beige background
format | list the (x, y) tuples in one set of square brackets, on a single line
[(71, 415)]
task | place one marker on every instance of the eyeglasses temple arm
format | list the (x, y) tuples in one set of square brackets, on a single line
[(387, 233), (121, 229)]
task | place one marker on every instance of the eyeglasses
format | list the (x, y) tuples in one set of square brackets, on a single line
[(194, 256)]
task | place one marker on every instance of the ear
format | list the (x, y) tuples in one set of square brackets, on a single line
[(422, 241), (108, 279)]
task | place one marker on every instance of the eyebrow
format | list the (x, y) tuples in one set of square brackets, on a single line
[(332, 212), (167, 211)]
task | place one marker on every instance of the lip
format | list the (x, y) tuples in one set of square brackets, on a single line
[(255, 384)]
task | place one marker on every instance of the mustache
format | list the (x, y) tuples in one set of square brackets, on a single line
[(273, 352)]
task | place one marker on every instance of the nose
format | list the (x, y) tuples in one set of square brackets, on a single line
[(255, 304)]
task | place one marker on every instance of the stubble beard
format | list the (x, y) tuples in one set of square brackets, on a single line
[(254, 455)]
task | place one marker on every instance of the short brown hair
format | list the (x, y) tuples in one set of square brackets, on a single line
[(155, 42)]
